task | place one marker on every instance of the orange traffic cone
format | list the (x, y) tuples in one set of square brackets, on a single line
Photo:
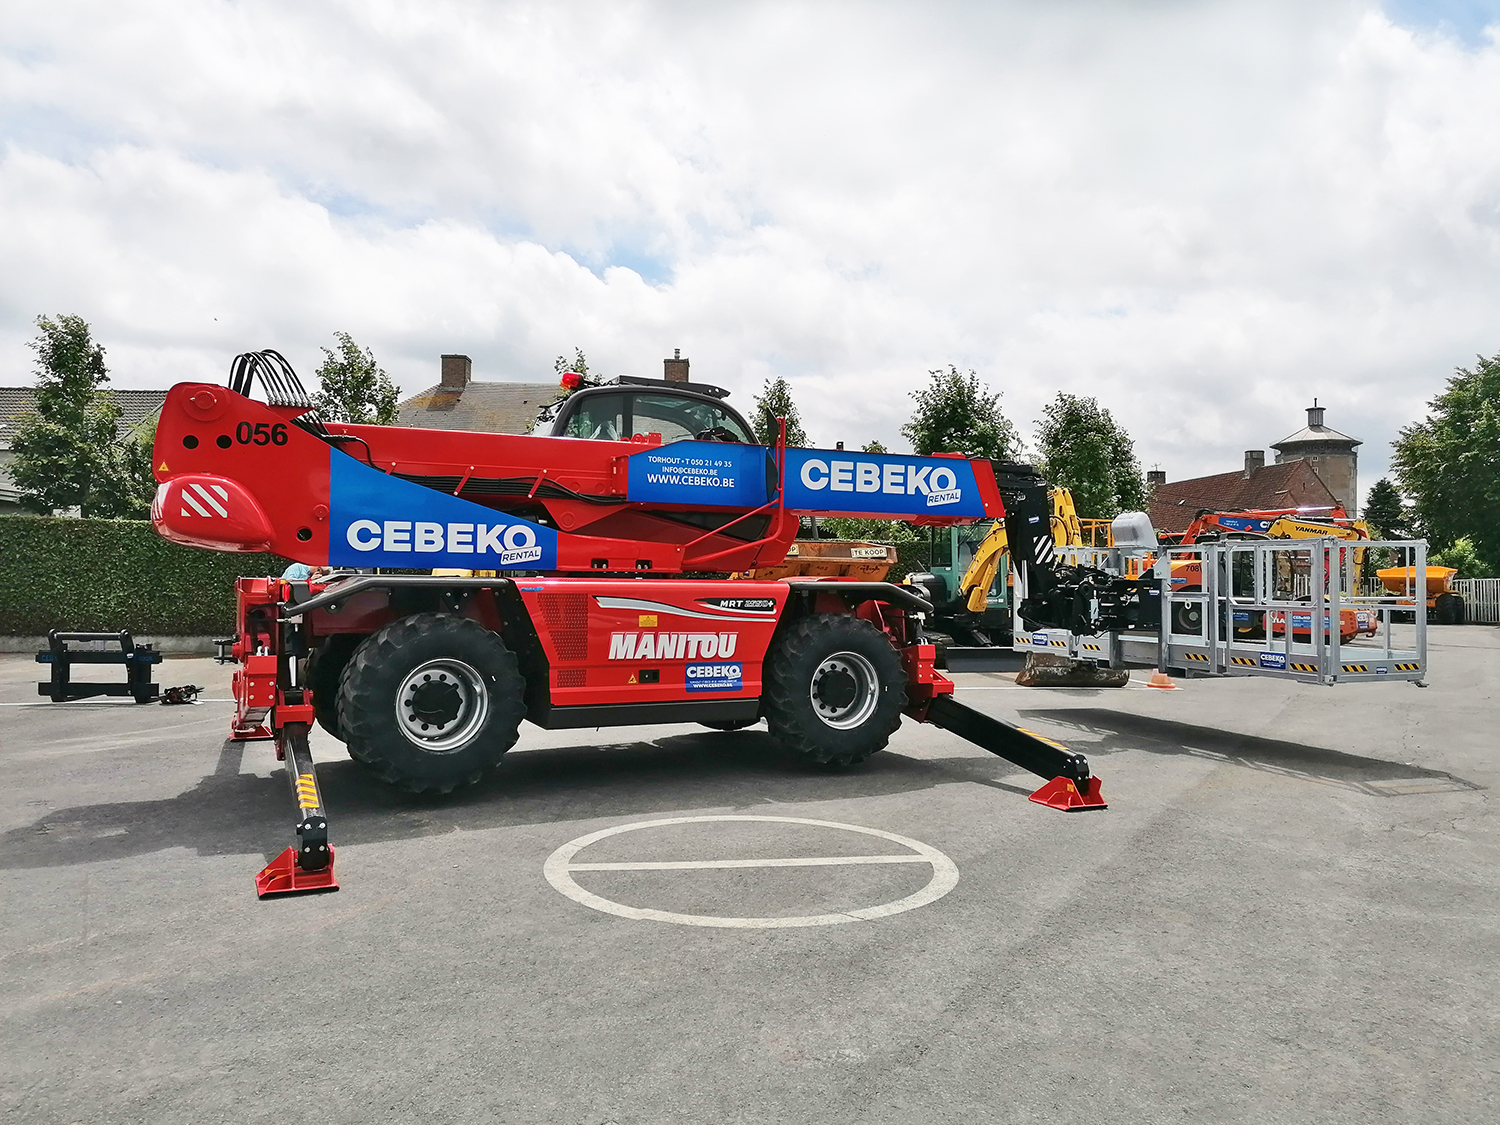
[(1161, 680)]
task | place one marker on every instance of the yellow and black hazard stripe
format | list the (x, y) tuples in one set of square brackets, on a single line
[(1092, 648), (1242, 661), (307, 791), (1356, 667), (1195, 656), (1407, 667), (1295, 667), (1059, 644)]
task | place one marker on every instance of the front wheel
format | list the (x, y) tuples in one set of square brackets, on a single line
[(431, 702), (835, 689)]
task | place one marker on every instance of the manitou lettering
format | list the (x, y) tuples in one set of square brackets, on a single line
[(672, 646)]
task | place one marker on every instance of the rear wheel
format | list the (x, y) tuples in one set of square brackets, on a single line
[(431, 702), (1449, 609), (835, 689)]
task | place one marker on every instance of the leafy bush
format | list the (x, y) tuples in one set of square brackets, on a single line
[(93, 575)]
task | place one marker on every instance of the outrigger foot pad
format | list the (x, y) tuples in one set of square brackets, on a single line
[(282, 876), (1061, 793)]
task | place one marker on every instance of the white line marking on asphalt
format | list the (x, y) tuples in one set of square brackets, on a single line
[(705, 864), (559, 868)]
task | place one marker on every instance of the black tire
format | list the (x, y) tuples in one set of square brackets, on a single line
[(325, 670), (1449, 609), (854, 672), (737, 724), (1187, 617), (431, 702)]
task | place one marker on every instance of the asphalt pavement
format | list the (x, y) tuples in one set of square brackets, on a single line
[(1290, 912)]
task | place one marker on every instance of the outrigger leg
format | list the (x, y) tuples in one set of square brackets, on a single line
[(307, 867), (1070, 786)]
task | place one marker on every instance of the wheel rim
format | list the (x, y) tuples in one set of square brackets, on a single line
[(442, 705), (845, 690)]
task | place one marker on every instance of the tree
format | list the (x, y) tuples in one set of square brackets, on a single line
[(873, 446), (1449, 464), (1085, 450), (67, 454), (954, 414), (1384, 511), (353, 387), (1462, 557), (773, 402)]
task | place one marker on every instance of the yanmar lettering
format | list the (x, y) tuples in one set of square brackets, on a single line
[(672, 646), (512, 543)]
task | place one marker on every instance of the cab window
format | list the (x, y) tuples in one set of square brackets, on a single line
[(601, 417), (679, 419)]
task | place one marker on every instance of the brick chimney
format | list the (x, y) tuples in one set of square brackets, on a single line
[(1254, 459), (1315, 416), (457, 370), (1156, 476), (676, 368)]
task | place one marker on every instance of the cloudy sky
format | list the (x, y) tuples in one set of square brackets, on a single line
[(1204, 214)]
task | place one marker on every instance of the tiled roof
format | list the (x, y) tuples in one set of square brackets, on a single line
[(1292, 484), (490, 408), (135, 407)]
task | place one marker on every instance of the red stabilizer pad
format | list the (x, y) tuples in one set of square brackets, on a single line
[(282, 876), (1061, 793)]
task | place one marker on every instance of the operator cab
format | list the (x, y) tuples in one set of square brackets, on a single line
[(632, 405)]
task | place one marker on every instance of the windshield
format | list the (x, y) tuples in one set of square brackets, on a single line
[(678, 419)]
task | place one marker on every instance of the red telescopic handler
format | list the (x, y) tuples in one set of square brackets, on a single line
[(589, 583)]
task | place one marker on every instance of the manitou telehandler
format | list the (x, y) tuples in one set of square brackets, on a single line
[(603, 609)]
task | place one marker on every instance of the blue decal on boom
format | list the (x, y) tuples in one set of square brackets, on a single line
[(718, 474), (380, 520), (825, 480)]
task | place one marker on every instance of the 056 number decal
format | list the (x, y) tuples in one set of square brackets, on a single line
[(260, 434)]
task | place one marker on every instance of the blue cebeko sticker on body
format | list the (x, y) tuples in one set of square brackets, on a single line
[(715, 677), (1039, 639), (1382, 671), (1273, 660), (881, 484), (719, 474), (376, 519)]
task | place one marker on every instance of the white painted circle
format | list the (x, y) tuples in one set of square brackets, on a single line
[(559, 868)]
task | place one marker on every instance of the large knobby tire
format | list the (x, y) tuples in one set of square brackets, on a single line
[(325, 671), (431, 702), (1448, 611), (834, 689)]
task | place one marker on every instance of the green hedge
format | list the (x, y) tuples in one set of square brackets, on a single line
[(105, 575)]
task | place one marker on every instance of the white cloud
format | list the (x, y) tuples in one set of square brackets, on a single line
[(1202, 214)]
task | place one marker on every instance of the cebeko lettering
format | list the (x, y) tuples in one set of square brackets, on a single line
[(866, 477), (894, 481), (371, 528), (841, 479), (429, 537), (916, 479), (943, 479), (487, 538), (461, 538), (811, 467), (397, 535)]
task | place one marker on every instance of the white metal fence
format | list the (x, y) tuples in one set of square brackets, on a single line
[(1481, 599)]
